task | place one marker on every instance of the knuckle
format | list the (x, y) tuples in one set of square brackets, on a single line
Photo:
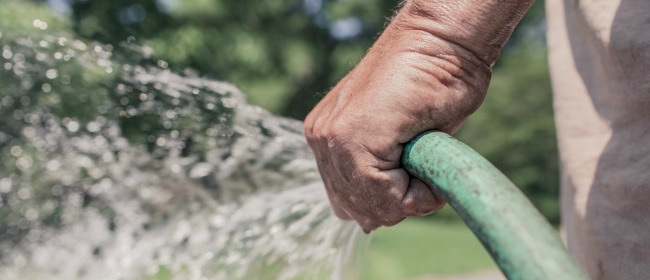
[(409, 203), (308, 128), (339, 129), (390, 223)]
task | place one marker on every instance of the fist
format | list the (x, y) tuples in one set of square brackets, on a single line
[(411, 81)]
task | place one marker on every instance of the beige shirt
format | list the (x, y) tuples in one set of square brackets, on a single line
[(599, 53)]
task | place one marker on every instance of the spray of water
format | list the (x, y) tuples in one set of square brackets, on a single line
[(114, 167)]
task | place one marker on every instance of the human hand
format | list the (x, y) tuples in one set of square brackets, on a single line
[(411, 81)]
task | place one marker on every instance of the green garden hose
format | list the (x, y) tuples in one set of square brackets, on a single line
[(521, 241)]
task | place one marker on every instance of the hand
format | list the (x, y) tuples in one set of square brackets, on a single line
[(411, 81)]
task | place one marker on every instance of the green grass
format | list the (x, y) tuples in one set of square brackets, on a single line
[(424, 246)]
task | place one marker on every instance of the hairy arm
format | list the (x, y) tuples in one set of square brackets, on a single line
[(430, 69)]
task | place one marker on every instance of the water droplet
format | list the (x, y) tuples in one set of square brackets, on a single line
[(24, 193), (200, 170), (58, 55), (7, 54), (44, 44), (39, 24), (5, 185), (16, 151), (161, 142), (36, 23), (93, 127), (18, 114), (124, 101), (80, 45), (51, 74), (25, 101), (170, 114), (7, 101), (72, 126), (19, 69), (41, 56), (56, 190), (29, 132), (163, 64), (53, 165), (129, 182), (19, 58), (31, 214), (46, 87), (8, 66), (24, 162)]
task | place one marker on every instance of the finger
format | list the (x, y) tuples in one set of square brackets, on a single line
[(397, 182), (387, 213), (333, 200), (392, 223), (367, 224), (420, 199), (388, 210)]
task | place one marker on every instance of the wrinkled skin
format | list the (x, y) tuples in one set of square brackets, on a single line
[(410, 81)]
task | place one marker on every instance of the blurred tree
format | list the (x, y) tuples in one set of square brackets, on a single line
[(114, 21), (284, 54)]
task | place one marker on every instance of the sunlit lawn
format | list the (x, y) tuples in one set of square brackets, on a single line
[(422, 246)]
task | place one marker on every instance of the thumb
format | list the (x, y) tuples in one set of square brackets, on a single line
[(420, 200)]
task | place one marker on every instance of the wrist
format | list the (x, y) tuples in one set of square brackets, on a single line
[(480, 27)]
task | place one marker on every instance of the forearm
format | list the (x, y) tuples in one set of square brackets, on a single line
[(480, 26)]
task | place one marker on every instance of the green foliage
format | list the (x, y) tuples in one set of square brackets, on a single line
[(419, 247), (17, 17), (115, 20), (282, 53)]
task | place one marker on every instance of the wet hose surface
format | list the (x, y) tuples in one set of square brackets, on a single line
[(523, 244)]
